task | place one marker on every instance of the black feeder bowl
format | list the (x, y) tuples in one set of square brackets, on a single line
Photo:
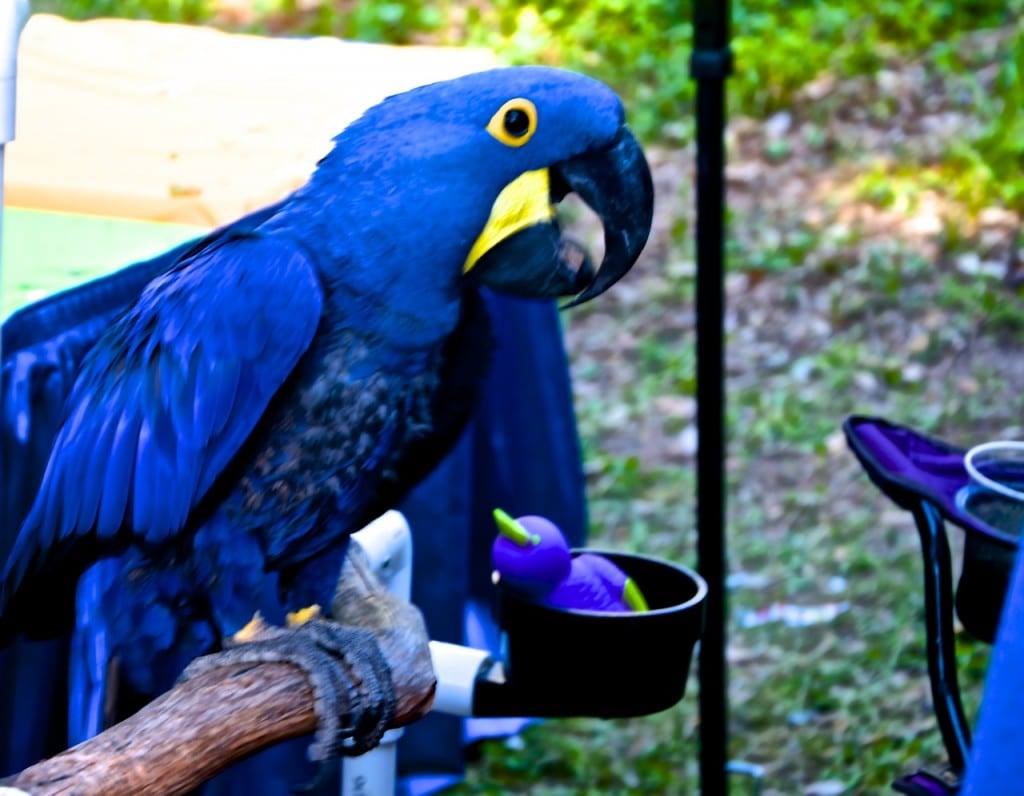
[(988, 560), (587, 663)]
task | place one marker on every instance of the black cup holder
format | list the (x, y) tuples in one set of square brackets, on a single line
[(988, 561), (589, 663)]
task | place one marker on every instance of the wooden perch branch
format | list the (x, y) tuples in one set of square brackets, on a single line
[(204, 724)]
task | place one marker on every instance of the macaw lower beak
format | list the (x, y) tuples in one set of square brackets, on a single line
[(522, 249)]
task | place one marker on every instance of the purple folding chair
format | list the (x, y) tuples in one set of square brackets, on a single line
[(927, 477)]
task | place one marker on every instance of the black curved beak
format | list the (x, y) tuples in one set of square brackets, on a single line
[(616, 184), (539, 262)]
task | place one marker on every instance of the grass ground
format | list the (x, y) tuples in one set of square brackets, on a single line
[(866, 275)]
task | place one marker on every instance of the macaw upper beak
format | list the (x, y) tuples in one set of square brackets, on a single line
[(522, 249)]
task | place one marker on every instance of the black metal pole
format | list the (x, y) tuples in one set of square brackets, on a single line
[(710, 64)]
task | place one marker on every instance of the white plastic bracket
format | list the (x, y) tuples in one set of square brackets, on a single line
[(13, 15), (387, 542)]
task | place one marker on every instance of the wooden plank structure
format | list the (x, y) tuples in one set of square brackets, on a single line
[(189, 124)]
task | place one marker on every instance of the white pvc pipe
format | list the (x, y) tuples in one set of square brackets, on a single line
[(13, 15), (387, 542), (373, 773), (457, 670)]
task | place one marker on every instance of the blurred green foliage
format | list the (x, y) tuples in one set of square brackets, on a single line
[(992, 163), (159, 10), (643, 47)]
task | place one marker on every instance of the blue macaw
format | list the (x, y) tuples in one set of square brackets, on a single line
[(288, 379)]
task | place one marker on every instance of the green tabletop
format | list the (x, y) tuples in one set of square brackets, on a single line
[(45, 252)]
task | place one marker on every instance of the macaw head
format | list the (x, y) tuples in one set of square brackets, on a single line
[(463, 176)]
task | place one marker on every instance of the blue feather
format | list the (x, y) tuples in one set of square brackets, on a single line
[(217, 394), (92, 487), (120, 465), (90, 653), (218, 412), (177, 390)]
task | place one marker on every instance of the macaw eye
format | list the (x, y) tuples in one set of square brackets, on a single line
[(515, 122)]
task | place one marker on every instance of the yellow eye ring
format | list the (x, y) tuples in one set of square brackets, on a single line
[(515, 122)]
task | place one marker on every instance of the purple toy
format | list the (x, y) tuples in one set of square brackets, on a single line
[(532, 556)]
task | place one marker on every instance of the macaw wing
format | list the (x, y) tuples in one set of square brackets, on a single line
[(167, 397), (43, 346)]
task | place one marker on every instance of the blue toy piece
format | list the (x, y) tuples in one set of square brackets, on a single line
[(531, 556)]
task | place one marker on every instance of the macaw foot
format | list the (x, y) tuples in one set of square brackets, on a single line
[(358, 696), (351, 680)]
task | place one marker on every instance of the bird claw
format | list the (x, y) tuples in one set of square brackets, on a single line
[(354, 697), (361, 700), (325, 771)]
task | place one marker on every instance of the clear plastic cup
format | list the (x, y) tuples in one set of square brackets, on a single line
[(998, 467)]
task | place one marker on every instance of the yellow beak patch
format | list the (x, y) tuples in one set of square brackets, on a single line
[(522, 203)]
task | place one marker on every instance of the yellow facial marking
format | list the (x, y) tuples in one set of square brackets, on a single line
[(514, 123), (524, 202)]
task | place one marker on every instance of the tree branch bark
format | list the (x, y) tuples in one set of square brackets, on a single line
[(204, 724)]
